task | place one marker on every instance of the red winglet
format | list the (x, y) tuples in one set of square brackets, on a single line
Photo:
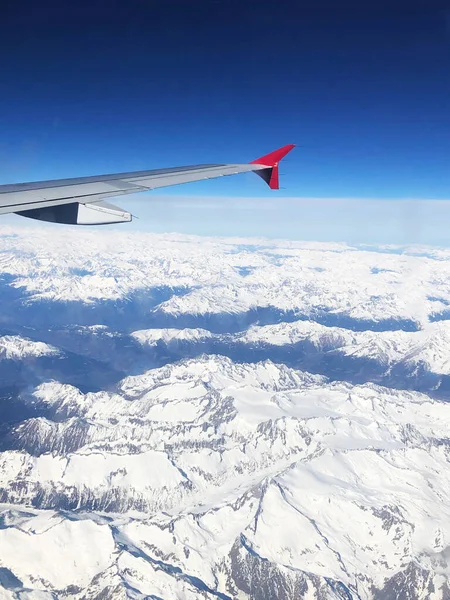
[(272, 159), (270, 175)]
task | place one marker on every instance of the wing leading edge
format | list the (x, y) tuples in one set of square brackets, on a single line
[(81, 200)]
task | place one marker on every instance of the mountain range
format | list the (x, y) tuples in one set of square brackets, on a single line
[(187, 417)]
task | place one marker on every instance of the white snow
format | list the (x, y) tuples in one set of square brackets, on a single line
[(150, 337), (186, 480), (69, 553), (330, 479), (296, 276), (428, 346), (15, 347)]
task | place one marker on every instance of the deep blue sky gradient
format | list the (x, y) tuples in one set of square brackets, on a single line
[(111, 86)]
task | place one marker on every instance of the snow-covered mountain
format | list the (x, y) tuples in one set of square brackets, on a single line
[(218, 478), (15, 347), (188, 418), (402, 359), (427, 347), (212, 276), (152, 337)]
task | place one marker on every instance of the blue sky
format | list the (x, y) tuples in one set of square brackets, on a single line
[(364, 91)]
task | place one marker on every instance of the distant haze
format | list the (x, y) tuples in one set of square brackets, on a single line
[(351, 220)]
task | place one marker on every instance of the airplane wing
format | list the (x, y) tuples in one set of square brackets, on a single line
[(80, 201)]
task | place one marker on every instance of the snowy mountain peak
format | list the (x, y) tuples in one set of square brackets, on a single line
[(204, 418)]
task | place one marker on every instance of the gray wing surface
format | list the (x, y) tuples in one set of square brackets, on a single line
[(43, 194), (80, 201)]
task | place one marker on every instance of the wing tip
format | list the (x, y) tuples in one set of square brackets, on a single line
[(270, 161), (273, 158)]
